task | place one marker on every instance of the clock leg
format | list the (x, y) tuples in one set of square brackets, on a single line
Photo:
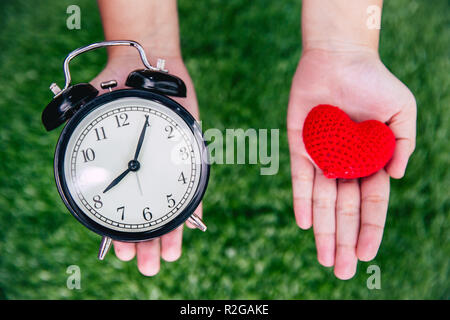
[(104, 247), (197, 222)]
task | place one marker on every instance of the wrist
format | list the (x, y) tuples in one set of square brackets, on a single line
[(339, 26), (336, 45), (343, 57), (152, 23)]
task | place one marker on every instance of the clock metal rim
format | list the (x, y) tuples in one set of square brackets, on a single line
[(78, 213)]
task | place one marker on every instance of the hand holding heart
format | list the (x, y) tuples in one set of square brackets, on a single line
[(348, 215)]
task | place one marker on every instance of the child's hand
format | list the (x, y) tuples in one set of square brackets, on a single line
[(168, 246), (348, 216)]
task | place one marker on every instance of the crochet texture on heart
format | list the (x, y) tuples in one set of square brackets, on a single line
[(342, 148)]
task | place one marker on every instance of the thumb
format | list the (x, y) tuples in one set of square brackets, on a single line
[(403, 125)]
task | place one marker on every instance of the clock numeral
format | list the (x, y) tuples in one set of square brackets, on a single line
[(184, 153), (121, 210), (169, 129), (147, 214), (88, 154), (182, 178), (122, 120), (170, 201), (97, 202), (100, 133)]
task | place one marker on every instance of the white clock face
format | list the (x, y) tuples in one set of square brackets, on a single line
[(118, 191)]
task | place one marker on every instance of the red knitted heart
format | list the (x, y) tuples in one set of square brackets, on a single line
[(343, 148)]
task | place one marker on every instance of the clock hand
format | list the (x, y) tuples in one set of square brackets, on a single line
[(117, 180), (141, 138), (133, 165)]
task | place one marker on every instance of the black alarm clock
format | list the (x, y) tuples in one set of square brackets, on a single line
[(130, 164)]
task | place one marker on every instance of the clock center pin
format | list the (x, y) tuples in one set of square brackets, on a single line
[(134, 165)]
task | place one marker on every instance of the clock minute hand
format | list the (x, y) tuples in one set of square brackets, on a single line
[(117, 180), (141, 138), (133, 165)]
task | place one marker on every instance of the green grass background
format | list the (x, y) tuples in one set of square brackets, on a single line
[(241, 56)]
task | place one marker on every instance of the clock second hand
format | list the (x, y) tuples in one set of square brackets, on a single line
[(139, 184)]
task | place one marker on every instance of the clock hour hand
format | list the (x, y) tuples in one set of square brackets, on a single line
[(141, 138), (117, 180), (133, 165)]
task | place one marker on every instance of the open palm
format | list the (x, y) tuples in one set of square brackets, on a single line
[(347, 216), (168, 246)]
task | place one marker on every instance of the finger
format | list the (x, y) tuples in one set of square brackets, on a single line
[(374, 204), (347, 228), (199, 213), (302, 174), (171, 244), (324, 224), (125, 251), (148, 257), (403, 125)]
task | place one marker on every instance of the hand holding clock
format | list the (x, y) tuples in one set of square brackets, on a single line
[(165, 44), (168, 246)]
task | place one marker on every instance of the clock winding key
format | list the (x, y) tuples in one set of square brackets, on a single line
[(108, 85)]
